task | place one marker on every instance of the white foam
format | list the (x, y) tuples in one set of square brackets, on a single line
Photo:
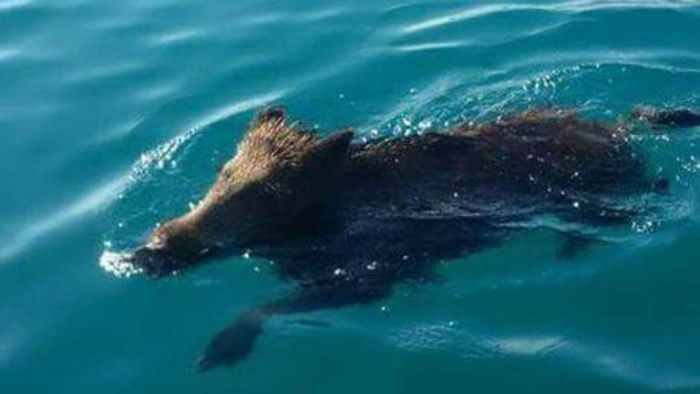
[(118, 264)]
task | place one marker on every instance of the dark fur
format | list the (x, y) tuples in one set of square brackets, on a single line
[(349, 221)]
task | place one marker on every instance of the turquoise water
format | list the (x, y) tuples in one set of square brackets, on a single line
[(116, 115)]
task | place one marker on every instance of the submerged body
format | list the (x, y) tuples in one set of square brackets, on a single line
[(349, 221)]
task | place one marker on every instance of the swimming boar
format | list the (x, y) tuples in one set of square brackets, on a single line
[(348, 221)]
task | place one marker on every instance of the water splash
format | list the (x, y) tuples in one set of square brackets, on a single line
[(118, 264)]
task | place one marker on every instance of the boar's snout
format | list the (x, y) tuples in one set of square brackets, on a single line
[(155, 262)]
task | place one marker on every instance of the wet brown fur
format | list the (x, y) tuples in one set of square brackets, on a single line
[(280, 169)]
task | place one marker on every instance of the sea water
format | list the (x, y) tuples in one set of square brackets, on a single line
[(115, 115)]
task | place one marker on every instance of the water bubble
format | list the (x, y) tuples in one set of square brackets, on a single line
[(643, 227), (339, 272)]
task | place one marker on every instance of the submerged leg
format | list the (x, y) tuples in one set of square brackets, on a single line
[(235, 342), (656, 117), (574, 245)]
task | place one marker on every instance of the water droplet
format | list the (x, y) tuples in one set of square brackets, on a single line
[(425, 124), (339, 272)]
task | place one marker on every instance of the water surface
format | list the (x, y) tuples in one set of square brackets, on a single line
[(116, 115)]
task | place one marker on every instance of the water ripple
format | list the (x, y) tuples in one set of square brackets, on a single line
[(577, 6), (7, 54), (176, 37), (103, 72), (103, 195), (7, 5), (433, 45), (83, 205)]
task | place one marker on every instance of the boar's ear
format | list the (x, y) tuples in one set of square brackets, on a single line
[(269, 114), (335, 145)]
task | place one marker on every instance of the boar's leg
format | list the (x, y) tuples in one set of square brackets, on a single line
[(681, 117), (574, 245), (235, 342)]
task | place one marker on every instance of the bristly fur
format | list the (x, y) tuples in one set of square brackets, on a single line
[(270, 142)]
